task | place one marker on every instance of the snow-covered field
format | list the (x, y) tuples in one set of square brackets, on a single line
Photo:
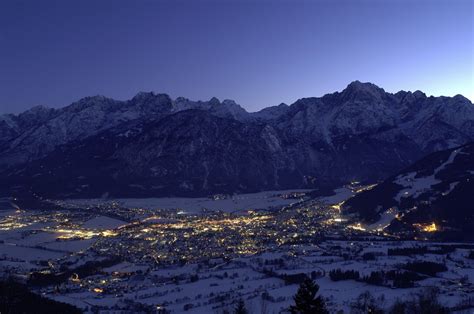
[(49, 242), (341, 194), (234, 203), (103, 222), (209, 288)]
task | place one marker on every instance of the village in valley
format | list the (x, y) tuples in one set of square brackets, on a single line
[(205, 255)]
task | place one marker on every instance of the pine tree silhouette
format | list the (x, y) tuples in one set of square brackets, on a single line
[(240, 308), (306, 301)]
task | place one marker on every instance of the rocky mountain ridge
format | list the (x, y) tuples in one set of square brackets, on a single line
[(153, 145)]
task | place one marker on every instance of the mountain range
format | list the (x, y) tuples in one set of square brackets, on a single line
[(152, 145)]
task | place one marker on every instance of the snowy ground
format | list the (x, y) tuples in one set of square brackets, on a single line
[(234, 203), (44, 241), (215, 289), (102, 222), (341, 194)]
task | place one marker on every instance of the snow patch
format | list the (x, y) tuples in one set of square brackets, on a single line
[(341, 195), (414, 187), (103, 222)]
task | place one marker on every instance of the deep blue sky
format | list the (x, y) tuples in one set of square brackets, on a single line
[(259, 53)]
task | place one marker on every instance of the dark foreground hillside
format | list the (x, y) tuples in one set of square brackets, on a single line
[(16, 298)]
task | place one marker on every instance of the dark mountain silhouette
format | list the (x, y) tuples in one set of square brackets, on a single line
[(152, 145)]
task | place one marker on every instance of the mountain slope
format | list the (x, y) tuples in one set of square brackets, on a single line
[(188, 153), (437, 188), (362, 133), (38, 131)]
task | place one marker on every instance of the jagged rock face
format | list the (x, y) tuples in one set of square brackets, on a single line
[(37, 132), (191, 152), (271, 113), (194, 152), (8, 127), (433, 123), (436, 188), (152, 144)]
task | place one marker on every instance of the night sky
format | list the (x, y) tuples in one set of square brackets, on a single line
[(259, 53)]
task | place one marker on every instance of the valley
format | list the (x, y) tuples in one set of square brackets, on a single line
[(143, 254)]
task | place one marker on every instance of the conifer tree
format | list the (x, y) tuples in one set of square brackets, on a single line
[(306, 301), (240, 308)]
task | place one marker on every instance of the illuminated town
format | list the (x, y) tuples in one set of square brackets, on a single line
[(105, 255)]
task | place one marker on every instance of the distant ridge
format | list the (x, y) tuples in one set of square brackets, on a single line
[(153, 145)]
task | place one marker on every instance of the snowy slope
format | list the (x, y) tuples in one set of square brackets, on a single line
[(436, 189)]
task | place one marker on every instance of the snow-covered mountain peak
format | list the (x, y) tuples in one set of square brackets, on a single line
[(462, 99), (359, 91), (150, 96), (37, 114), (228, 108), (419, 94), (229, 102), (271, 113), (363, 86), (214, 101), (8, 120), (38, 108), (93, 102), (151, 103), (181, 99)]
